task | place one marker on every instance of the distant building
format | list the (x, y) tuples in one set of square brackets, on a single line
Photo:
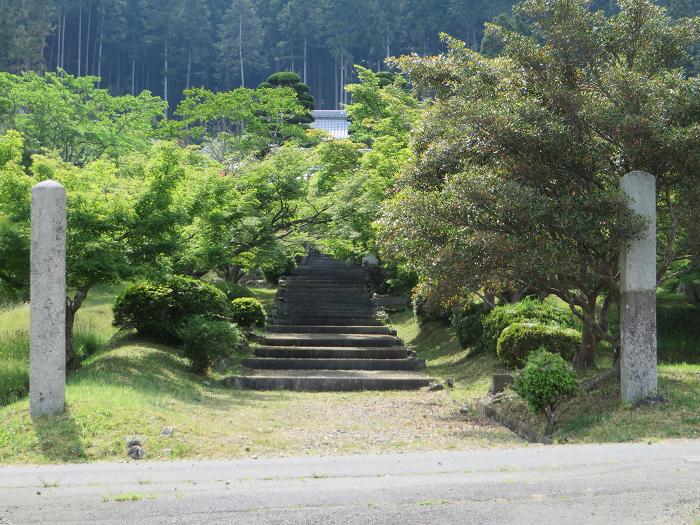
[(334, 122)]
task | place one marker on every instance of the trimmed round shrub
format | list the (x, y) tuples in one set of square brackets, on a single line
[(527, 310), (206, 341), (468, 324), (156, 308), (233, 290), (265, 85), (545, 382), (284, 78), (248, 312), (521, 339)]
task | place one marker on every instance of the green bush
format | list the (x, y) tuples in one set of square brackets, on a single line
[(248, 312), (284, 78), (521, 339), (233, 290), (276, 268), (156, 308), (428, 308), (527, 310), (206, 341), (468, 324), (546, 381)]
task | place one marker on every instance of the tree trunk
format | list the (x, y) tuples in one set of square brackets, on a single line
[(165, 78), (240, 47), (87, 40), (99, 52), (585, 358), (63, 41), (58, 40), (335, 71), (189, 68), (72, 307), (305, 59), (80, 35)]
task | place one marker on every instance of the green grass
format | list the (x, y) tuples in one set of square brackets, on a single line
[(93, 330), (445, 358), (598, 416), (131, 388)]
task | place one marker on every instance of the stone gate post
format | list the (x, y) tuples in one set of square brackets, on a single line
[(638, 294), (47, 294)]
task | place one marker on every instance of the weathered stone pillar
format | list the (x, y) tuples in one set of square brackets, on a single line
[(638, 289), (47, 339)]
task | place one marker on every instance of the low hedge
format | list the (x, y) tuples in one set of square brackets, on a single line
[(157, 308), (520, 339), (527, 310), (206, 341), (468, 324), (248, 312)]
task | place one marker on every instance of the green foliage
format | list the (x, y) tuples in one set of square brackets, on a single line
[(238, 123), (206, 341), (428, 307), (527, 310), (517, 163), (519, 340), (75, 119), (399, 280), (468, 324), (275, 268), (233, 290), (156, 308), (546, 381), (248, 312), (284, 78), (289, 79)]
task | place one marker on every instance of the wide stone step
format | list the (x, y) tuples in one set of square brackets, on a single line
[(267, 363), (330, 329), (329, 340), (334, 321), (333, 352), (328, 380)]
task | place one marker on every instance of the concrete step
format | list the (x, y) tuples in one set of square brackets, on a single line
[(333, 321), (330, 329), (329, 340), (328, 380), (333, 352), (267, 363)]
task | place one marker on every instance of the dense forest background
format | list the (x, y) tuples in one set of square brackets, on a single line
[(166, 46)]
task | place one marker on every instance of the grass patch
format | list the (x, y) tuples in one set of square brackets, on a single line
[(130, 496), (93, 330), (266, 296), (445, 358), (598, 416)]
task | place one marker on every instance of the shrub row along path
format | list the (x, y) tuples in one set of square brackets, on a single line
[(325, 337)]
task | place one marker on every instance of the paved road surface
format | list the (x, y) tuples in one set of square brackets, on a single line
[(606, 484)]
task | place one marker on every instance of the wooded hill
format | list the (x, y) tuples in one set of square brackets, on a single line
[(165, 46)]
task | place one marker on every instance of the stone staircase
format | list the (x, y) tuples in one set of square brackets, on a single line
[(325, 337)]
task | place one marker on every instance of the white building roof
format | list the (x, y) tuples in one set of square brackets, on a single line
[(335, 122)]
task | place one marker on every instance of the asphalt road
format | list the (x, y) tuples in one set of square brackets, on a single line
[(606, 484)]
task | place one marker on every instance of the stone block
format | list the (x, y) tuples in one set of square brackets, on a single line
[(500, 382)]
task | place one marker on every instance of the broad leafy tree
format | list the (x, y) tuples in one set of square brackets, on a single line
[(518, 160)]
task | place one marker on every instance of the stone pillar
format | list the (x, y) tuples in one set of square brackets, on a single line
[(47, 293), (638, 293)]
